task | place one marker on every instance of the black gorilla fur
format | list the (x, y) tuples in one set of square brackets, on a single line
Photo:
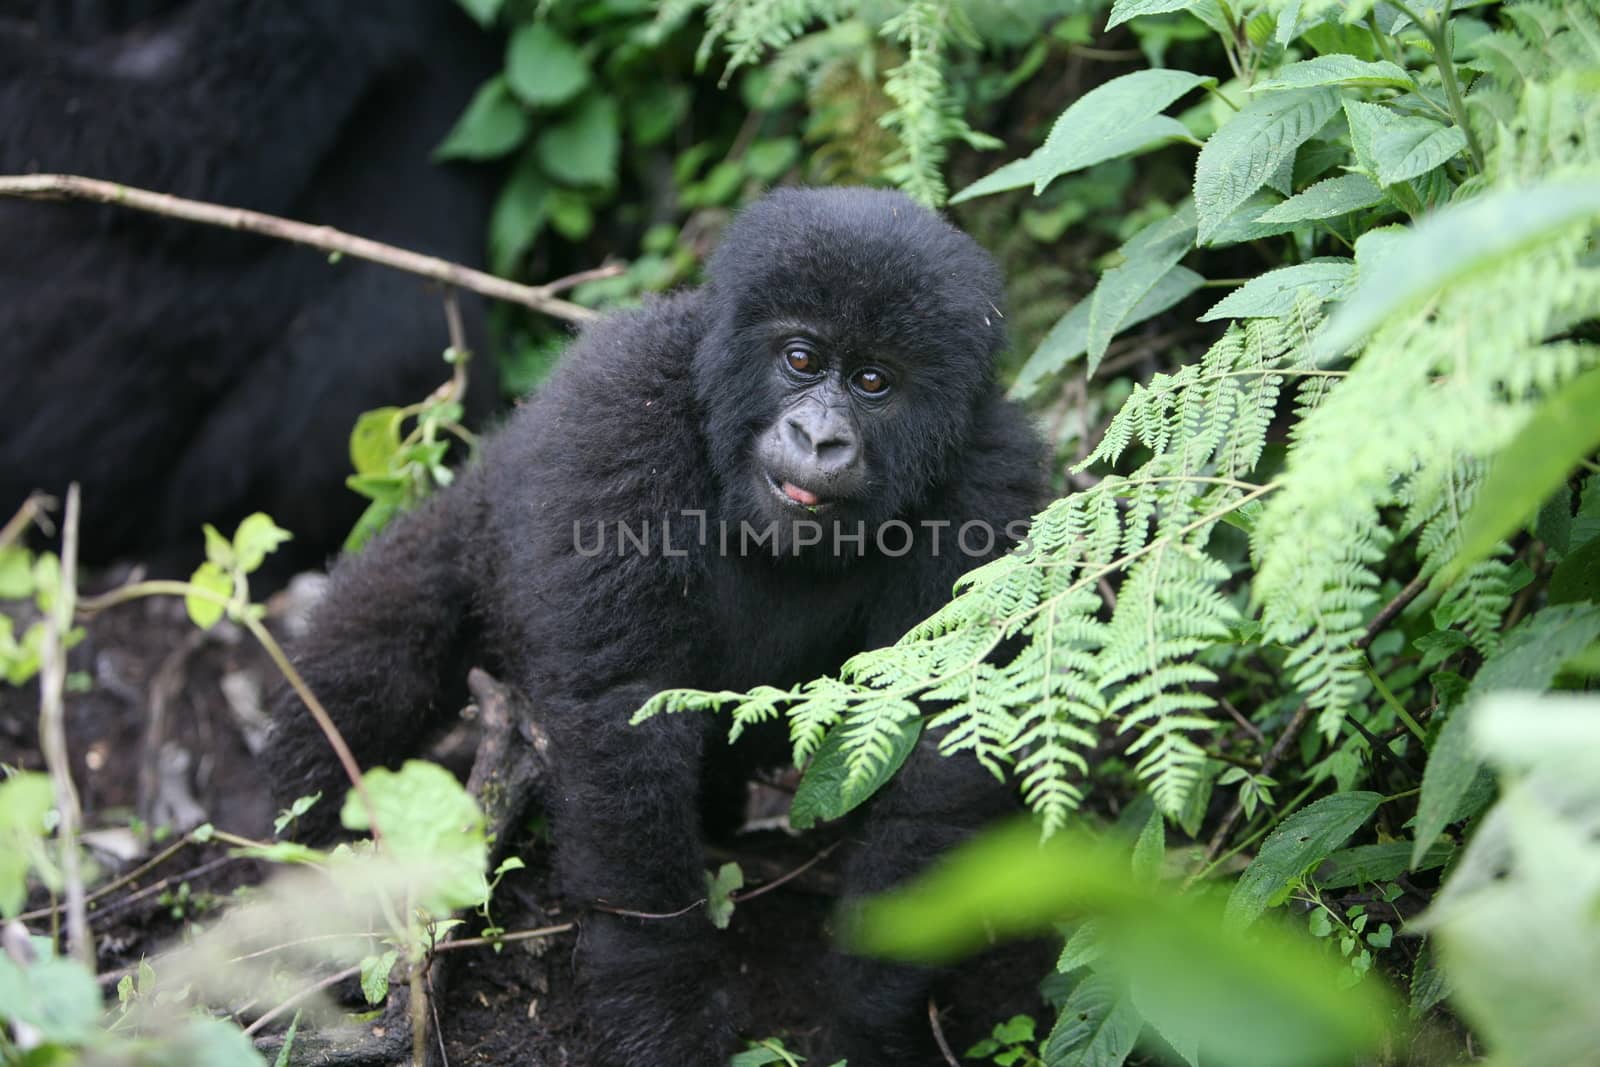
[(184, 374), (654, 412)]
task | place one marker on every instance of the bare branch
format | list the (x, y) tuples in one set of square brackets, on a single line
[(73, 187)]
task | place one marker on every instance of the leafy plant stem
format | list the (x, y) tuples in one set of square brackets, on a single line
[(1394, 704), (53, 735), (1439, 35), (167, 587)]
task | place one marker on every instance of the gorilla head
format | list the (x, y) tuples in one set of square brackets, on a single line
[(854, 330)]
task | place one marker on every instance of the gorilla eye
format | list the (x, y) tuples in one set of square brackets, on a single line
[(801, 360), (871, 382)]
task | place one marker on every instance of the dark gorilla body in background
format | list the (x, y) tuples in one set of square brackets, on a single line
[(184, 374), (651, 413)]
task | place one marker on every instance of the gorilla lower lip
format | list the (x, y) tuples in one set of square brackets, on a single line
[(799, 495)]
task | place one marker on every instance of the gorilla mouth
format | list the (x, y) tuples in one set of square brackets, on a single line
[(794, 496)]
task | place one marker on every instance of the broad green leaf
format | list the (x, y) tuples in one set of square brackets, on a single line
[(373, 519), (1366, 864), (431, 823), (375, 975), (219, 549), (1395, 147), (375, 440), (492, 125), (1069, 337), (1577, 577), (1116, 119), (519, 214), (1456, 242), (1150, 850), (1564, 429), (25, 798), (1327, 199), (55, 996), (1337, 69), (1527, 659), (1265, 999), (1253, 146), (1123, 10), (483, 11), (1272, 294), (583, 149), (720, 888), (827, 790), (1148, 257), (203, 611), (543, 68), (256, 537), (1300, 842), (16, 572), (1097, 1027), (1516, 925)]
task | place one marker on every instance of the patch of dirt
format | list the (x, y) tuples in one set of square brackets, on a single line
[(164, 726)]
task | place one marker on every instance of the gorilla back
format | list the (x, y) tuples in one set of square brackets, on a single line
[(186, 374), (736, 485)]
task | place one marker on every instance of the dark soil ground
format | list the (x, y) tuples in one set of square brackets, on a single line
[(164, 723)]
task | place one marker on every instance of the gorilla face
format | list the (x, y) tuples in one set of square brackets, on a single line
[(851, 338)]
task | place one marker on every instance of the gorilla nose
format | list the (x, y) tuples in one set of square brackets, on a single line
[(825, 444)]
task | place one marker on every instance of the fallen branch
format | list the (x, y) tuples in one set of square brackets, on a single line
[(539, 298)]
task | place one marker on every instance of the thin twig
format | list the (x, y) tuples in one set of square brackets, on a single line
[(326, 983), (135, 590), (325, 238), (740, 898), (1302, 714), (123, 903), (938, 1035), (117, 883), (53, 735), (35, 508), (577, 278), (629, 913), (504, 939)]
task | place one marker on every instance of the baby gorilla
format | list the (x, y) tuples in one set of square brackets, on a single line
[(738, 485)]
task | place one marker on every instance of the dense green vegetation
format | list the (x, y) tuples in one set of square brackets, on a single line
[(1299, 672)]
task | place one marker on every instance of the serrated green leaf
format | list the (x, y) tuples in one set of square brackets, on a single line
[(1327, 199), (1256, 1000), (25, 798), (1097, 1027), (1069, 337), (1393, 147), (1564, 430), (1119, 118), (1366, 864), (720, 888), (492, 125), (219, 549), (1527, 659), (583, 149), (520, 212), (543, 68), (58, 998), (1336, 69), (375, 440), (430, 822), (1454, 243), (375, 975), (1274, 293), (827, 791), (1148, 257), (1253, 146), (203, 611), (1301, 841), (16, 572), (256, 537), (1123, 10)]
